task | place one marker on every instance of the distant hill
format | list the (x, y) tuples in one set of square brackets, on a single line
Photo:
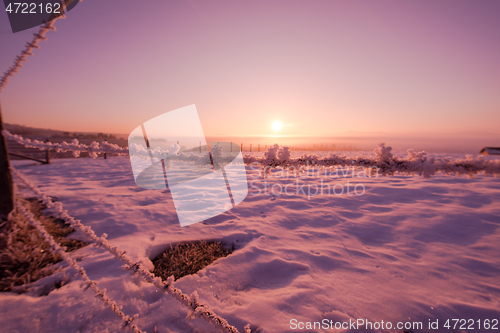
[(18, 151), (25, 130), (46, 133)]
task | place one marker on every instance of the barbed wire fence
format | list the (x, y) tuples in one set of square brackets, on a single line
[(196, 308), (54, 246), (28, 50), (7, 196), (9, 205), (384, 162)]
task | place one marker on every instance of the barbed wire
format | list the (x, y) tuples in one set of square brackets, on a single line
[(384, 162), (23, 56), (196, 309), (137, 151), (54, 246), (191, 301), (94, 149), (37, 38)]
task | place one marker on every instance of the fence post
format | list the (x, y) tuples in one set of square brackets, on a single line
[(47, 153), (242, 147), (105, 154), (6, 186), (250, 147)]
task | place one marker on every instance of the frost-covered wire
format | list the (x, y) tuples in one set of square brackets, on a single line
[(196, 309), (54, 246), (23, 56), (94, 149), (37, 37), (384, 163)]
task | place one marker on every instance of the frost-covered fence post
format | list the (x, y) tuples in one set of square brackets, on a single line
[(47, 153), (6, 188), (105, 154)]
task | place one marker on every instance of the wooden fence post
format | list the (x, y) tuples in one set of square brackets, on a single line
[(105, 154), (47, 153), (250, 147), (6, 185)]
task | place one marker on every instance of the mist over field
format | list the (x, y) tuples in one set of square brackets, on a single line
[(466, 143)]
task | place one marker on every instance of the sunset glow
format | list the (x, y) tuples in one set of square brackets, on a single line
[(277, 126), (351, 69)]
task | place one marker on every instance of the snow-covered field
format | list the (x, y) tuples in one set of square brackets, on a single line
[(393, 249)]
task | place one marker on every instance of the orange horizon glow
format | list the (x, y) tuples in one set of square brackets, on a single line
[(323, 69)]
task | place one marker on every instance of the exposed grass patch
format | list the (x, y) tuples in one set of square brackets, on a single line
[(24, 255), (188, 258)]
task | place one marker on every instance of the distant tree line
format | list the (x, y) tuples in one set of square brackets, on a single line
[(330, 147), (89, 135)]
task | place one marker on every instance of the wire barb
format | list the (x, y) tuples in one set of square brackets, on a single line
[(198, 310), (27, 51), (101, 294)]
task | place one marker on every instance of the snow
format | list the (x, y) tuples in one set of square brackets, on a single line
[(408, 248)]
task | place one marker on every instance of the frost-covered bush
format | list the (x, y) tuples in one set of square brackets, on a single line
[(383, 153), (384, 163)]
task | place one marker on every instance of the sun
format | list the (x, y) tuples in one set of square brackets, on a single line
[(277, 126)]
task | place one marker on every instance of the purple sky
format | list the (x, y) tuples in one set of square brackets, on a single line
[(320, 67)]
